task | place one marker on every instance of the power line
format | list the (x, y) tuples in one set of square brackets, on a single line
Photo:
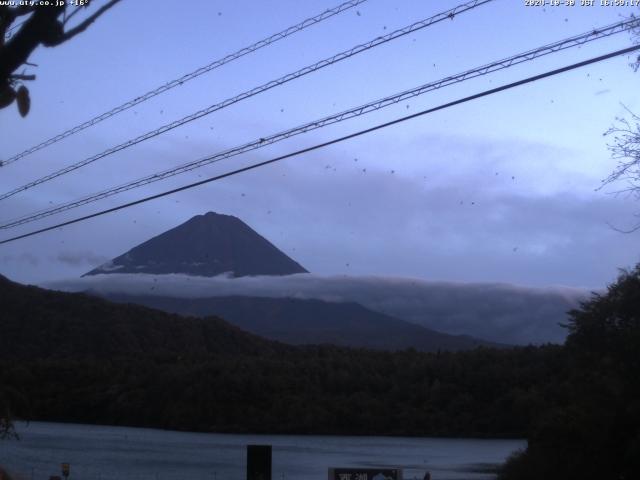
[(189, 76), (332, 142), (574, 41), (449, 14)]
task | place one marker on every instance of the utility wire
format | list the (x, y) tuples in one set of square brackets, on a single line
[(574, 41), (449, 14), (189, 76), (332, 142)]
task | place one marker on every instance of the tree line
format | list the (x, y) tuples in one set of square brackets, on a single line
[(577, 404)]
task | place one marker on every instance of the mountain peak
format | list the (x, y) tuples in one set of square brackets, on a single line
[(205, 245), (211, 216)]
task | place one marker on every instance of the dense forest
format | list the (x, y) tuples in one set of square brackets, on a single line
[(593, 431), (313, 390), (83, 359), (71, 357)]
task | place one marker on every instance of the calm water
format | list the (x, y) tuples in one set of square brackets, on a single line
[(106, 453)]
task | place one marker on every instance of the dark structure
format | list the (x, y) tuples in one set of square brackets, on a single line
[(258, 462)]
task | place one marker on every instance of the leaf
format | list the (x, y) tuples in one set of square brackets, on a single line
[(24, 102), (7, 95)]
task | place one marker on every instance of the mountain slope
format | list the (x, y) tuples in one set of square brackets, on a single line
[(206, 245), (39, 323), (310, 321), (75, 358)]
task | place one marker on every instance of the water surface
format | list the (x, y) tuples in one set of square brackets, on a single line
[(112, 453)]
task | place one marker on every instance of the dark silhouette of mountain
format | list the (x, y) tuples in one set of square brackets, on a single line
[(206, 245), (311, 321), (39, 323)]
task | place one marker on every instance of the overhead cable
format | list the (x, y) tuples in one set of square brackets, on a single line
[(187, 77), (330, 142), (529, 55), (449, 14)]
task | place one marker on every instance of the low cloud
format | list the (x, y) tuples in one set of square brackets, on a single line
[(21, 259), (76, 259), (492, 311)]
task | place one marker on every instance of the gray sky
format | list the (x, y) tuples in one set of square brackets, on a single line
[(498, 190)]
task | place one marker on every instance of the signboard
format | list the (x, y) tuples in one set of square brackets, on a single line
[(365, 474)]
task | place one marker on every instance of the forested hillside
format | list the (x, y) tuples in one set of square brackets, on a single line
[(45, 324), (577, 404), (83, 359)]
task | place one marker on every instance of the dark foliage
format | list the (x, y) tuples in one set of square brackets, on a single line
[(82, 359), (71, 357), (593, 431), (311, 390), (46, 324)]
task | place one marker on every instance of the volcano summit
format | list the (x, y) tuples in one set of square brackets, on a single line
[(206, 245)]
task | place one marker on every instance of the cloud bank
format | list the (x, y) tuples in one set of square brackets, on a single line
[(497, 312)]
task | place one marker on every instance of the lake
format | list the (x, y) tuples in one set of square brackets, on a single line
[(111, 453)]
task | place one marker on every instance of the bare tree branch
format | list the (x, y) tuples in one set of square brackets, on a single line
[(70, 16), (44, 26), (41, 28), (22, 10), (622, 230), (23, 77), (88, 21), (625, 148)]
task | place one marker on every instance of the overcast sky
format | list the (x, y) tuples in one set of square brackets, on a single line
[(502, 189)]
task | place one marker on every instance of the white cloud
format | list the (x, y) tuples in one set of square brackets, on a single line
[(497, 312)]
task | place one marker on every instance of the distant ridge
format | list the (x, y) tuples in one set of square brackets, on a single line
[(206, 245), (298, 321), (46, 324)]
